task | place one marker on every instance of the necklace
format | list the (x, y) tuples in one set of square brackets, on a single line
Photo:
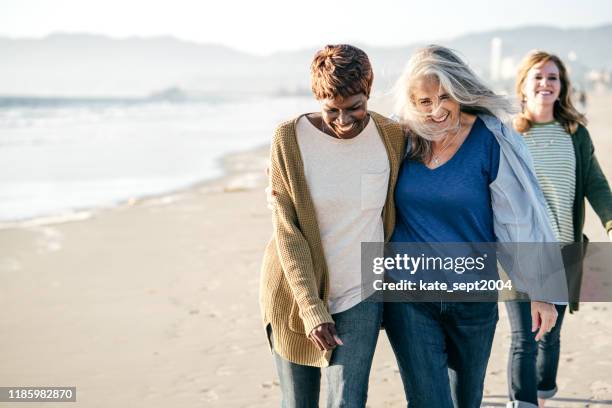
[(543, 140), (436, 157), (542, 143)]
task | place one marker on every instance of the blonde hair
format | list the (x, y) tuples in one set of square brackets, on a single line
[(563, 111), (458, 80)]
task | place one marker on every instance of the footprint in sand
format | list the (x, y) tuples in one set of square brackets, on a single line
[(50, 241), (224, 371), (174, 301), (209, 395), (211, 285), (591, 319), (270, 384), (234, 349), (601, 390), (569, 356)]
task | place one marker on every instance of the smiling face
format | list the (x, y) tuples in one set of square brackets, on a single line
[(345, 116), (542, 85), (438, 108)]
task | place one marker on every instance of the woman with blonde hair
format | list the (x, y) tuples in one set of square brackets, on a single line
[(466, 177), (568, 173)]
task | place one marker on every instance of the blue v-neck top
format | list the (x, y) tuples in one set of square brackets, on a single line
[(451, 203)]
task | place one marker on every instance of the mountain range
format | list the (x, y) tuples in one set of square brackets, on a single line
[(90, 65)]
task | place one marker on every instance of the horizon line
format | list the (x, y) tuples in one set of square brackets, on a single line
[(4, 36)]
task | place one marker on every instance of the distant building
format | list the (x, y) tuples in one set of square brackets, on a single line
[(509, 68)]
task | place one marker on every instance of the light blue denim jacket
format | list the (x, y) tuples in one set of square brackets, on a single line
[(527, 247)]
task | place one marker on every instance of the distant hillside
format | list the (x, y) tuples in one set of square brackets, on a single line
[(94, 65)]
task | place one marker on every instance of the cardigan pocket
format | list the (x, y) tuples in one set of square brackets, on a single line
[(374, 189), (296, 324)]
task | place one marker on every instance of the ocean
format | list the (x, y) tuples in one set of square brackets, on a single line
[(61, 156)]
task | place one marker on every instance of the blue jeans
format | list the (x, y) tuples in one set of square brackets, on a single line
[(532, 366), (442, 350), (349, 371)]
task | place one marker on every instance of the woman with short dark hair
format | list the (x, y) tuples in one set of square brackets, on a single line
[(332, 173)]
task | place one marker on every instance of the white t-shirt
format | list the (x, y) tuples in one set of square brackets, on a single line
[(348, 181)]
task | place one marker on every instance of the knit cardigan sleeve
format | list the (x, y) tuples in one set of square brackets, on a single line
[(596, 187), (291, 244)]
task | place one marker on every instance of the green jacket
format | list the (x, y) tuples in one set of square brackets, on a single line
[(592, 185)]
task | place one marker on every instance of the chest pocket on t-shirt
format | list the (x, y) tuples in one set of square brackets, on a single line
[(374, 189)]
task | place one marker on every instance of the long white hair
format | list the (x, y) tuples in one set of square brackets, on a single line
[(454, 77)]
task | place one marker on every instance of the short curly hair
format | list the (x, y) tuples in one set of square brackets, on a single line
[(340, 71)]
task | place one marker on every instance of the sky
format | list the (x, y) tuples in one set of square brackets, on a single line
[(268, 26)]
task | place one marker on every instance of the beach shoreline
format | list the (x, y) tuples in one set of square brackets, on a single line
[(235, 174)]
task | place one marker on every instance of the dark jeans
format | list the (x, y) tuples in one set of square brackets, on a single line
[(348, 374), (532, 366), (442, 350)]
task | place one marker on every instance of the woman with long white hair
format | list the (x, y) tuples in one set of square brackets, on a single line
[(466, 177)]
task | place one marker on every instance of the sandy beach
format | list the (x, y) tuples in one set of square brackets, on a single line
[(154, 303)]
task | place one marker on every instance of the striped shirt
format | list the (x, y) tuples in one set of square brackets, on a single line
[(555, 166)]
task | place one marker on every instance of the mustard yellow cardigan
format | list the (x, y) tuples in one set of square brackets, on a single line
[(294, 277)]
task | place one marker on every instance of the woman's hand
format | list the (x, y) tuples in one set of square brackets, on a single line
[(324, 336), (544, 317), (270, 198)]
